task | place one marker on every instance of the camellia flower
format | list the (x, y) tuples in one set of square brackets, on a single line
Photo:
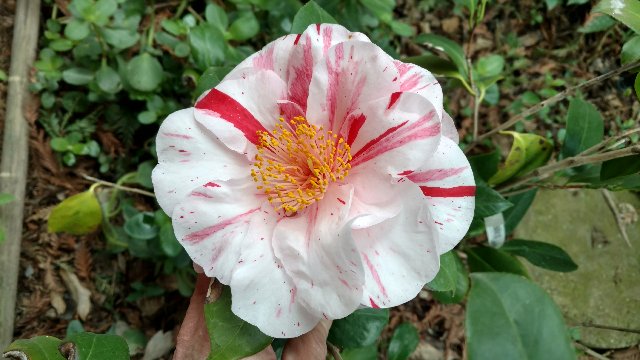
[(319, 176)]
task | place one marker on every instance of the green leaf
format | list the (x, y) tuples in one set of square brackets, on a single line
[(168, 242), (244, 27), (403, 343), (77, 76), (144, 72), (78, 214), (620, 167), (488, 259), (310, 13), (233, 337), (36, 348), (509, 317), (364, 353), (401, 28), (74, 327), (6, 198), (3, 236), (449, 47), (521, 204), (489, 66), (528, 152), (207, 45), (76, 29), (625, 11), (544, 255), (446, 278), (176, 27), (90, 346), (631, 50), (597, 23), (108, 80), (488, 201), (61, 45), (552, 3), (585, 128), (460, 280), (362, 328), (141, 226), (147, 117), (485, 165), (211, 78), (382, 9), (436, 65), (216, 16), (143, 174), (120, 38)]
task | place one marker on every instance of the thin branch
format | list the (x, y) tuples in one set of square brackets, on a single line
[(571, 162), (333, 350), (612, 204), (550, 101), (116, 186), (609, 327), (590, 352), (604, 144)]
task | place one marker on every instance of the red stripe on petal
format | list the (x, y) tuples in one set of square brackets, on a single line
[(435, 174), (179, 136), (393, 98), (228, 109), (354, 127), (295, 42), (374, 274), (458, 191), (199, 236), (373, 304), (211, 184)]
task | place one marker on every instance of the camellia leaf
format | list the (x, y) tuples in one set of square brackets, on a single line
[(631, 50), (403, 343), (360, 329), (509, 317), (446, 278), (460, 278), (36, 348), (484, 166), (620, 167), (597, 23), (488, 259), (528, 152), (625, 11), (585, 128), (92, 346), (544, 255), (363, 353), (488, 201), (451, 48), (234, 338), (144, 72), (310, 13), (521, 203), (78, 214)]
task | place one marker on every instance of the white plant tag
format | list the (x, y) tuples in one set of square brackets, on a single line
[(494, 226)]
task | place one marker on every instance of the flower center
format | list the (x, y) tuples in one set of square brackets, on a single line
[(297, 161)]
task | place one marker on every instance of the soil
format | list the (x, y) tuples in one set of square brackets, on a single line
[(45, 305)]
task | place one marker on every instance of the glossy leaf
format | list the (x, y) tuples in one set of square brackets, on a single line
[(234, 338), (528, 152), (631, 50), (144, 72), (360, 329), (489, 201), (78, 214), (488, 259), (310, 13), (451, 48), (460, 280), (521, 203), (585, 128), (542, 254), (509, 317), (36, 348), (403, 343), (89, 346), (364, 353), (597, 23), (445, 280), (620, 167), (625, 11), (484, 166)]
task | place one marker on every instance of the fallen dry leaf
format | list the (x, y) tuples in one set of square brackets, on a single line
[(80, 294), (160, 344)]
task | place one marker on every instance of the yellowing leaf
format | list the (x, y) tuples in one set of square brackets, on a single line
[(528, 152), (79, 214)]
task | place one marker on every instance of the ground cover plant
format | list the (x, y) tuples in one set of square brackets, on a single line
[(520, 82)]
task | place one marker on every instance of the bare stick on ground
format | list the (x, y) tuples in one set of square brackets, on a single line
[(15, 154)]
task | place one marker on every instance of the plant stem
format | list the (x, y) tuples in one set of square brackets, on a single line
[(117, 186), (195, 14), (591, 352), (333, 350), (550, 101)]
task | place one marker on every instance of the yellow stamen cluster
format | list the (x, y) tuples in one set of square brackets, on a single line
[(297, 161)]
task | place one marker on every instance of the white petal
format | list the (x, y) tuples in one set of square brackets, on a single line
[(189, 156), (212, 222), (447, 181), (376, 197), (449, 128), (399, 254), (397, 136), (417, 80), (317, 251), (240, 106), (262, 293)]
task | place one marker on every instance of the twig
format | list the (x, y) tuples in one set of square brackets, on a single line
[(572, 162), (605, 143), (195, 14), (333, 350), (550, 101), (612, 204), (545, 186), (609, 327), (591, 352), (116, 186)]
